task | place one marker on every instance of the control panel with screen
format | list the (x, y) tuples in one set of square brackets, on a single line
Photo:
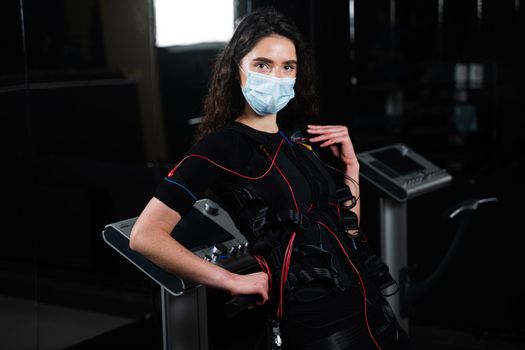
[(207, 230), (400, 172)]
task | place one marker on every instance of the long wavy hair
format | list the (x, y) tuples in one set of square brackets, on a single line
[(224, 101)]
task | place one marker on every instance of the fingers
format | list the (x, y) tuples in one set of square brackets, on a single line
[(334, 140), (326, 128), (326, 132), (264, 288), (335, 136), (318, 129), (327, 136), (255, 283)]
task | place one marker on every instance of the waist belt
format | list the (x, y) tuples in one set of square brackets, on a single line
[(339, 340), (357, 337)]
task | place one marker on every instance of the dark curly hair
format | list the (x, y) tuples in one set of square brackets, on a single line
[(224, 101)]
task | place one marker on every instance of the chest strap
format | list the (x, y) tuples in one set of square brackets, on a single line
[(252, 211), (290, 216)]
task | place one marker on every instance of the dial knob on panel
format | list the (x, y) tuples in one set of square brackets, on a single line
[(232, 251), (219, 250), (211, 208), (243, 247)]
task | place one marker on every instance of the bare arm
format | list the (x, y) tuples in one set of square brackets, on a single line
[(150, 236), (353, 172), (337, 139)]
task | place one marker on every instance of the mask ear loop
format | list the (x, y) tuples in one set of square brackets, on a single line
[(244, 71), (238, 76)]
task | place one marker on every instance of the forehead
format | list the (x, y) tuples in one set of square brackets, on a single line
[(275, 47)]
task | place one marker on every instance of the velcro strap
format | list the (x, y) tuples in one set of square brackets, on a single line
[(344, 194), (308, 249), (252, 209), (315, 273), (259, 219), (350, 221), (243, 195), (300, 220), (339, 340)]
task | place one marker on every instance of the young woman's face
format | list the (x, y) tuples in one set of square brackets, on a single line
[(273, 55)]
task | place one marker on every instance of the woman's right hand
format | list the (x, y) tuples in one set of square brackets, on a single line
[(253, 283)]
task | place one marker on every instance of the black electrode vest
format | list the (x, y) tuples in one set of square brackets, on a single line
[(269, 229), (315, 271)]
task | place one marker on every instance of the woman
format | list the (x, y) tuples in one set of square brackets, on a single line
[(320, 292)]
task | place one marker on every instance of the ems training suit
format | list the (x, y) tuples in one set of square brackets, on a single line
[(322, 300)]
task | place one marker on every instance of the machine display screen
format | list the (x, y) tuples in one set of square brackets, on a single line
[(195, 231), (394, 160)]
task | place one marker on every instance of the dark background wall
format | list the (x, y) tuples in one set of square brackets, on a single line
[(94, 116)]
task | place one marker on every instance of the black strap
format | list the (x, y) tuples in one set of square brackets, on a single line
[(253, 211), (338, 340), (315, 273), (350, 221), (309, 273), (307, 249), (343, 195), (379, 272), (301, 221)]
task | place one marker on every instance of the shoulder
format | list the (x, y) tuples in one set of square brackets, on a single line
[(222, 140), (224, 146)]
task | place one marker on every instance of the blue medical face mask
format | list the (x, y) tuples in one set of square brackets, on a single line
[(267, 94)]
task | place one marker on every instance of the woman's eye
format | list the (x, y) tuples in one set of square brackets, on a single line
[(289, 68), (262, 66)]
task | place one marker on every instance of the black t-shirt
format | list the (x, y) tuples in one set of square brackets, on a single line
[(228, 159), (203, 169)]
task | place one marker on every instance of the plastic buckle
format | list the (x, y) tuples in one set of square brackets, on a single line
[(259, 220), (350, 221), (276, 335), (343, 194)]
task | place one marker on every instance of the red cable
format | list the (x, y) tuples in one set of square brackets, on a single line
[(309, 208), (360, 281), (266, 268), (288, 253), (289, 186), (284, 273), (262, 263), (229, 170), (289, 248)]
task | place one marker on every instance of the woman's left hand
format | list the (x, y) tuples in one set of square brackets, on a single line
[(335, 137)]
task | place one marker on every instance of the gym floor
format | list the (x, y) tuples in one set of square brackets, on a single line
[(24, 323)]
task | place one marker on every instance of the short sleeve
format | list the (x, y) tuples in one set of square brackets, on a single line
[(207, 165)]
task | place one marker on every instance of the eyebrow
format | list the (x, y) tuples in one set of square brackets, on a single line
[(267, 60)]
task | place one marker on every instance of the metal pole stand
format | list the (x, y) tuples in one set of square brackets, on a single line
[(400, 174), (394, 251), (185, 319)]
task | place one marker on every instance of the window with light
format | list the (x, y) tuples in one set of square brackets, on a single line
[(191, 22)]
